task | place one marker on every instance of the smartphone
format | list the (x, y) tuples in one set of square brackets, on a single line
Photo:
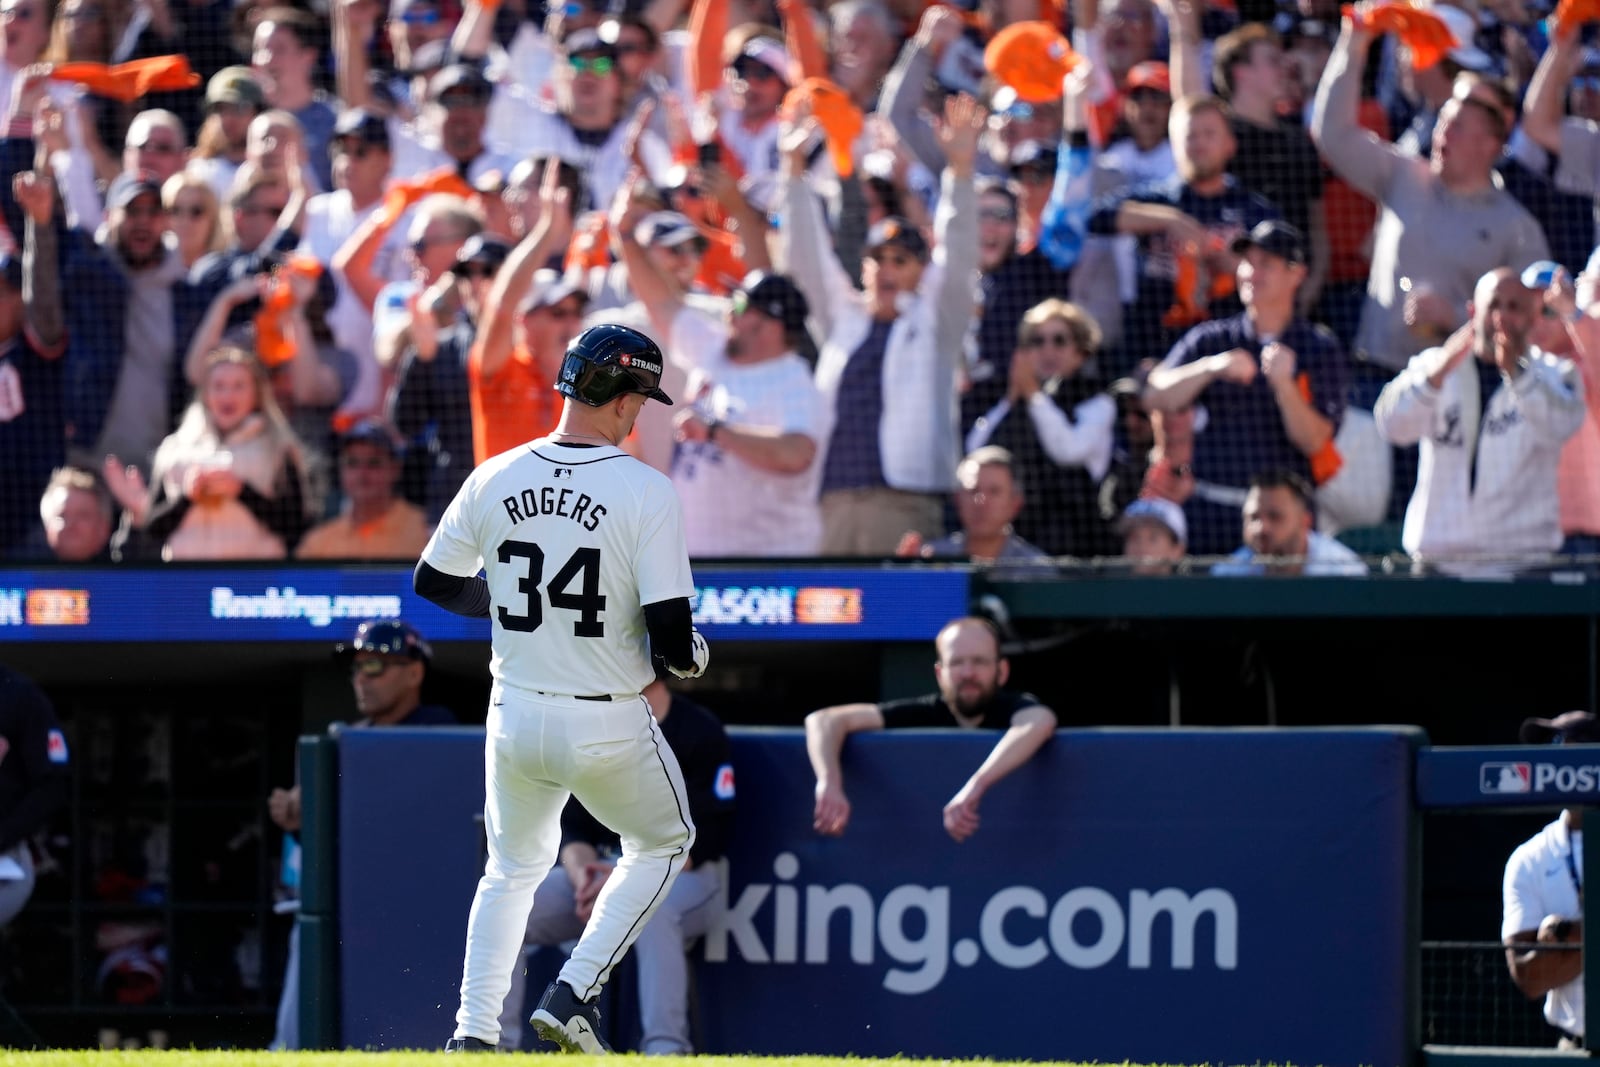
[(710, 154)]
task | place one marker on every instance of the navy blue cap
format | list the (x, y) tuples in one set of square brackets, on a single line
[(387, 637), (375, 432), (363, 125), (899, 233), (130, 186)]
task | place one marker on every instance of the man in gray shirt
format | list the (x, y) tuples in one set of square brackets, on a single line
[(1443, 222)]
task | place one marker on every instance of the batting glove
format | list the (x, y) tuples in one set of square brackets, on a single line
[(702, 656)]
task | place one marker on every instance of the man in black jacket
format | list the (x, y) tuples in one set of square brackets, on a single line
[(34, 782)]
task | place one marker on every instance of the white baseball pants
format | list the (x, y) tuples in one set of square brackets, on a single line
[(539, 751)]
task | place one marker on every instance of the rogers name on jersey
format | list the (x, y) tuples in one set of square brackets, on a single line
[(758, 605)]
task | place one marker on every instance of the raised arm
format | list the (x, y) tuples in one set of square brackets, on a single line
[(955, 226), (493, 346), (800, 36), (1545, 106), (1357, 154), (354, 23), (43, 314), (825, 733), (806, 253), (475, 32), (1189, 75), (357, 257), (1030, 728), (209, 334), (903, 94), (659, 293), (708, 27)]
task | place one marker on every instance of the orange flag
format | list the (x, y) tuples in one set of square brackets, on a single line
[(129, 81), (1423, 32)]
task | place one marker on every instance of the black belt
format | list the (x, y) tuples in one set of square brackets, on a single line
[(604, 696)]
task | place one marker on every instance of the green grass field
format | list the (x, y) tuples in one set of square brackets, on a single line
[(152, 1058)]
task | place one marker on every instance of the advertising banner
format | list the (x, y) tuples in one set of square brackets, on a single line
[(1527, 776), (310, 604), (1176, 896)]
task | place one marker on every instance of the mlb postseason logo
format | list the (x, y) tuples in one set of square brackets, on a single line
[(1505, 778)]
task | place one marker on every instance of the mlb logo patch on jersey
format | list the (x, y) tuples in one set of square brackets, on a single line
[(55, 747), (723, 786)]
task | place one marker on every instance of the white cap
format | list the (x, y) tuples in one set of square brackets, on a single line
[(769, 53), (1161, 510), (1463, 27)]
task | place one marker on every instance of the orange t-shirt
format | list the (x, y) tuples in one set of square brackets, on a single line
[(511, 408)]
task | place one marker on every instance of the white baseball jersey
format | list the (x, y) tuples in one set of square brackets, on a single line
[(573, 541)]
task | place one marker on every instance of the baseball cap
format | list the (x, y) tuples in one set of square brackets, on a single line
[(1156, 509), (669, 229), (363, 125), (1572, 728), (899, 233), (776, 297), (1151, 74), (1463, 27), (1322, 30), (372, 431), (1275, 237), (130, 186), (769, 53), (483, 248), (1540, 273), (387, 637), (462, 76), (426, 12), (1031, 155), (551, 287), (429, 59), (1032, 58), (236, 85), (584, 40)]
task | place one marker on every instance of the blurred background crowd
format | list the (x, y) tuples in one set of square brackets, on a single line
[(1183, 286)]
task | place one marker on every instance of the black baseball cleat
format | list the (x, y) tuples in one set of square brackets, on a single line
[(468, 1044), (569, 1022)]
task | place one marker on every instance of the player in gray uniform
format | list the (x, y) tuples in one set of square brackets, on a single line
[(587, 575)]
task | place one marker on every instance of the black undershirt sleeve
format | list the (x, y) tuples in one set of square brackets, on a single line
[(671, 627), (464, 596)]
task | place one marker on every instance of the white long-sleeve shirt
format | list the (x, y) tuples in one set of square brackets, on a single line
[(919, 433), (1486, 481)]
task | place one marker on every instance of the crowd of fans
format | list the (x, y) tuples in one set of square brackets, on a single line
[(1016, 281)]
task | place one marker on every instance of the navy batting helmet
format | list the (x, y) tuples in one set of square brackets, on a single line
[(608, 361), (388, 637)]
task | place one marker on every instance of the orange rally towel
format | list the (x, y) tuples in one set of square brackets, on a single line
[(1572, 14), (1423, 32), (839, 118), (129, 81), (273, 345), (408, 191)]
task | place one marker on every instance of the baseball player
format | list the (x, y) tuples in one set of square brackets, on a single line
[(588, 579)]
